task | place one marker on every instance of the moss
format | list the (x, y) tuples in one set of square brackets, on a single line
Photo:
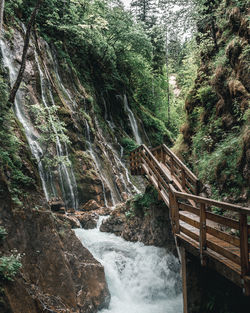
[(156, 129), (207, 97), (220, 168)]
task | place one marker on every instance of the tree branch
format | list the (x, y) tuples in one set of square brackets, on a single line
[(24, 56)]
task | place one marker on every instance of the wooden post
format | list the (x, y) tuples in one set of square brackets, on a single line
[(171, 208), (174, 210), (244, 250), (171, 165), (197, 187), (162, 155), (184, 278), (202, 232), (183, 179)]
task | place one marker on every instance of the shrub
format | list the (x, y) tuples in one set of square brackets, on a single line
[(10, 266), (128, 144)]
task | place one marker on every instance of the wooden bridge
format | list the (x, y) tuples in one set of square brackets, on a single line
[(220, 241)]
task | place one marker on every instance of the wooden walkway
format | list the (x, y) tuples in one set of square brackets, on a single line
[(219, 241)]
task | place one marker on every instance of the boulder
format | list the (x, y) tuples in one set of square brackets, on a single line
[(90, 206), (87, 220)]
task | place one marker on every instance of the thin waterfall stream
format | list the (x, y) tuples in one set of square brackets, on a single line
[(141, 279), (65, 172)]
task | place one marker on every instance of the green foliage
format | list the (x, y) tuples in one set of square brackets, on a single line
[(156, 128), (3, 233), (220, 167), (51, 130), (143, 202), (128, 144), (10, 266), (10, 149), (207, 96)]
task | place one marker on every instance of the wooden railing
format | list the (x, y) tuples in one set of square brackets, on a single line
[(184, 178), (196, 219)]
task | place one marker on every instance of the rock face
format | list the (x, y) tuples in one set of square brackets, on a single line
[(58, 274), (151, 228)]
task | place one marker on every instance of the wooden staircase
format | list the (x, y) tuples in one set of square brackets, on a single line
[(221, 242)]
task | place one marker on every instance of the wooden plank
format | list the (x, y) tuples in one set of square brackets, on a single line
[(165, 198), (189, 233), (223, 220), (156, 172), (244, 253), (223, 236), (190, 186), (224, 252), (180, 163), (223, 205), (189, 220), (156, 163), (189, 208)]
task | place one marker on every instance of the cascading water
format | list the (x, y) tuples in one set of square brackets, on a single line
[(19, 105), (129, 187), (141, 279), (132, 120), (97, 166), (66, 175)]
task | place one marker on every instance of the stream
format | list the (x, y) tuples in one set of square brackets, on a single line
[(141, 279)]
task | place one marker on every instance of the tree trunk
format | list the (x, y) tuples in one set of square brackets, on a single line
[(167, 70), (1, 15), (24, 56)]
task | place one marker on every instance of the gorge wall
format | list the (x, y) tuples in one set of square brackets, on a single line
[(215, 137)]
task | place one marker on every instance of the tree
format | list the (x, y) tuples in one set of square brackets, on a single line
[(24, 55), (1, 15), (145, 11)]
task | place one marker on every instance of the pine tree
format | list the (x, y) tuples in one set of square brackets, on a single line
[(145, 11)]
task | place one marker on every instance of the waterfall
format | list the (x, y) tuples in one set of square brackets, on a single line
[(132, 120), (141, 279), (19, 105), (123, 171), (98, 167), (66, 175)]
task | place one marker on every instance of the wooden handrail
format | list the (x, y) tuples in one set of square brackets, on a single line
[(190, 214), (219, 204)]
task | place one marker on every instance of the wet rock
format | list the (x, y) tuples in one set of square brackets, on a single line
[(151, 228), (90, 206), (87, 220), (104, 211), (73, 221), (57, 205), (58, 274), (113, 225)]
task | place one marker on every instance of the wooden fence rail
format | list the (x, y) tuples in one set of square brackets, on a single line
[(196, 219)]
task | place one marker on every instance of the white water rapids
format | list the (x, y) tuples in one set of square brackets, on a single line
[(141, 279)]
